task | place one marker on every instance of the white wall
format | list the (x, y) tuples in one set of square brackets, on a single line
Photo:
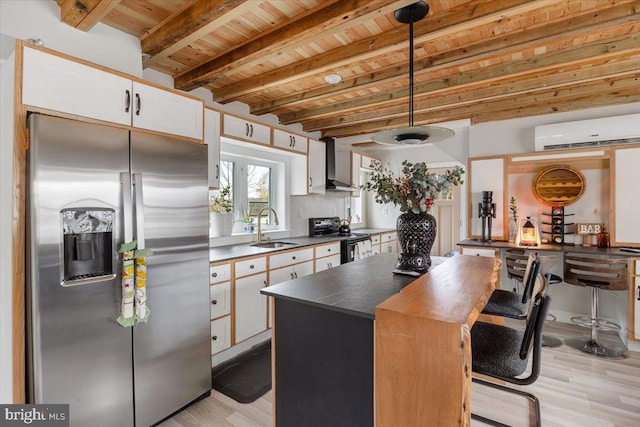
[(6, 170), (41, 19)]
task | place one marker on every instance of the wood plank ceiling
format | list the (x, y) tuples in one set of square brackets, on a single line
[(484, 60)]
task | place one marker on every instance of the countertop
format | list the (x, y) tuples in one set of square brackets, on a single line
[(225, 253), (594, 250), (354, 288)]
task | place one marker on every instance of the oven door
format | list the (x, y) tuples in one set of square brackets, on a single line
[(349, 250)]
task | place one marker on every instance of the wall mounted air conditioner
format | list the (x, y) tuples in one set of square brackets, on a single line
[(588, 133)]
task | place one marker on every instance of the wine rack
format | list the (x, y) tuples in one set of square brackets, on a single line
[(557, 225)]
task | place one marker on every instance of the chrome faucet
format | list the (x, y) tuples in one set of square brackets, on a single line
[(275, 217)]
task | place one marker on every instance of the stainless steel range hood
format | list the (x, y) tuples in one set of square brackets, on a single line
[(332, 183)]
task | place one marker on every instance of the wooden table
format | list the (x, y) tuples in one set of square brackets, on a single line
[(423, 345)]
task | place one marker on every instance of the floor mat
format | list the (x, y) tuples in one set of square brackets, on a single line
[(246, 377)]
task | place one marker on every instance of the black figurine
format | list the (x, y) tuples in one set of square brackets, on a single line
[(486, 211)]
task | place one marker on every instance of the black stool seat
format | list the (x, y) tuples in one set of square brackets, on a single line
[(507, 304), (497, 360)]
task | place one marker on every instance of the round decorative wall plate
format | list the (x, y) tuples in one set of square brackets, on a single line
[(559, 185)]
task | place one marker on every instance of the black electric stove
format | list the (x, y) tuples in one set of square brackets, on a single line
[(330, 227)]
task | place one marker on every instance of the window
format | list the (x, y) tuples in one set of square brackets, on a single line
[(254, 183)]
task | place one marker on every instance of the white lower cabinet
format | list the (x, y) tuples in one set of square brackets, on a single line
[(220, 334), (250, 306), (220, 299), (327, 262), (491, 253)]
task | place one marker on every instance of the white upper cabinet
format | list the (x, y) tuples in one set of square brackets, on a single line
[(238, 128), (212, 139), (366, 162), (164, 111), (626, 176), (58, 84), (487, 174), (290, 141), (317, 159)]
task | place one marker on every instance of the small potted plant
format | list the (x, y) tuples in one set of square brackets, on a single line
[(220, 213), (247, 221), (513, 224)]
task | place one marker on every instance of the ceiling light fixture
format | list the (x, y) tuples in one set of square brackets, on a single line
[(332, 79), (412, 135)]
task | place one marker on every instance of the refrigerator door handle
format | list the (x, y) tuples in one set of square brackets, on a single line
[(137, 184), (127, 218)]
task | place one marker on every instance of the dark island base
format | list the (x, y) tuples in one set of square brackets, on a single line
[(324, 367)]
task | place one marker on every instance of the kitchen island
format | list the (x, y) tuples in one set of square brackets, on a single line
[(324, 333)]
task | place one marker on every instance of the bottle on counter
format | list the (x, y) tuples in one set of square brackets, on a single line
[(604, 240)]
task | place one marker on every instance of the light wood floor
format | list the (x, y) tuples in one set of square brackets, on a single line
[(575, 390)]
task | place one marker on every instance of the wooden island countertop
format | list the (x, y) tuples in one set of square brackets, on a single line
[(423, 344), (357, 345)]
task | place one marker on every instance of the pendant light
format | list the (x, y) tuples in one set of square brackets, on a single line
[(412, 135)]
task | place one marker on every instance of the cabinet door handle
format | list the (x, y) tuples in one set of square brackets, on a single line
[(251, 126), (638, 296), (128, 101), (265, 283), (217, 171), (214, 302), (138, 104), (294, 140), (310, 182), (328, 249), (291, 274), (293, 257), (214, 274), (215, 337), (296, 275), (251, 266), (246, 129)]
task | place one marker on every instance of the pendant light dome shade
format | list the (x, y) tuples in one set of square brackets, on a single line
[(412, 135)]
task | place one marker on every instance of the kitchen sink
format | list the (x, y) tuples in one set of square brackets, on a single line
[(273, 244)]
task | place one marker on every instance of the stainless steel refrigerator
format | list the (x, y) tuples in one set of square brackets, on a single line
[(91, 187)]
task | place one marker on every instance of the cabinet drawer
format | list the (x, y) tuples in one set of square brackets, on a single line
[(251, 266), (387, 237), (375, 249), (220, 299), (290, 257), (327, 262), (375, 239), (479, 252), (327, 250), (220, 273), (220, 334)]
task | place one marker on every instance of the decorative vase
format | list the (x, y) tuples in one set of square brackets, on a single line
[(416, 233), (513, 230), (220, 224)]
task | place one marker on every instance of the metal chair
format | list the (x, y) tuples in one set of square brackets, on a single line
[(502, 352), (516, 262), (596, 273)]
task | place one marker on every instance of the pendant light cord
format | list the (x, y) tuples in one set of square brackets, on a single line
[(411, 69)]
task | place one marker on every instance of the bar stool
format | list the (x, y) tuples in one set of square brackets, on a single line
[(596, 273)]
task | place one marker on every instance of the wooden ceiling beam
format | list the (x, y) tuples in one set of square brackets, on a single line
[(559, 77), (84, 14), (576, 27), (476, 12), (626, 86), (336, 14), (188, 25), (540, 62)]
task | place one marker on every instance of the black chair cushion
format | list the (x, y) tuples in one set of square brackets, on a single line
[(495, 350), (506, 304)]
